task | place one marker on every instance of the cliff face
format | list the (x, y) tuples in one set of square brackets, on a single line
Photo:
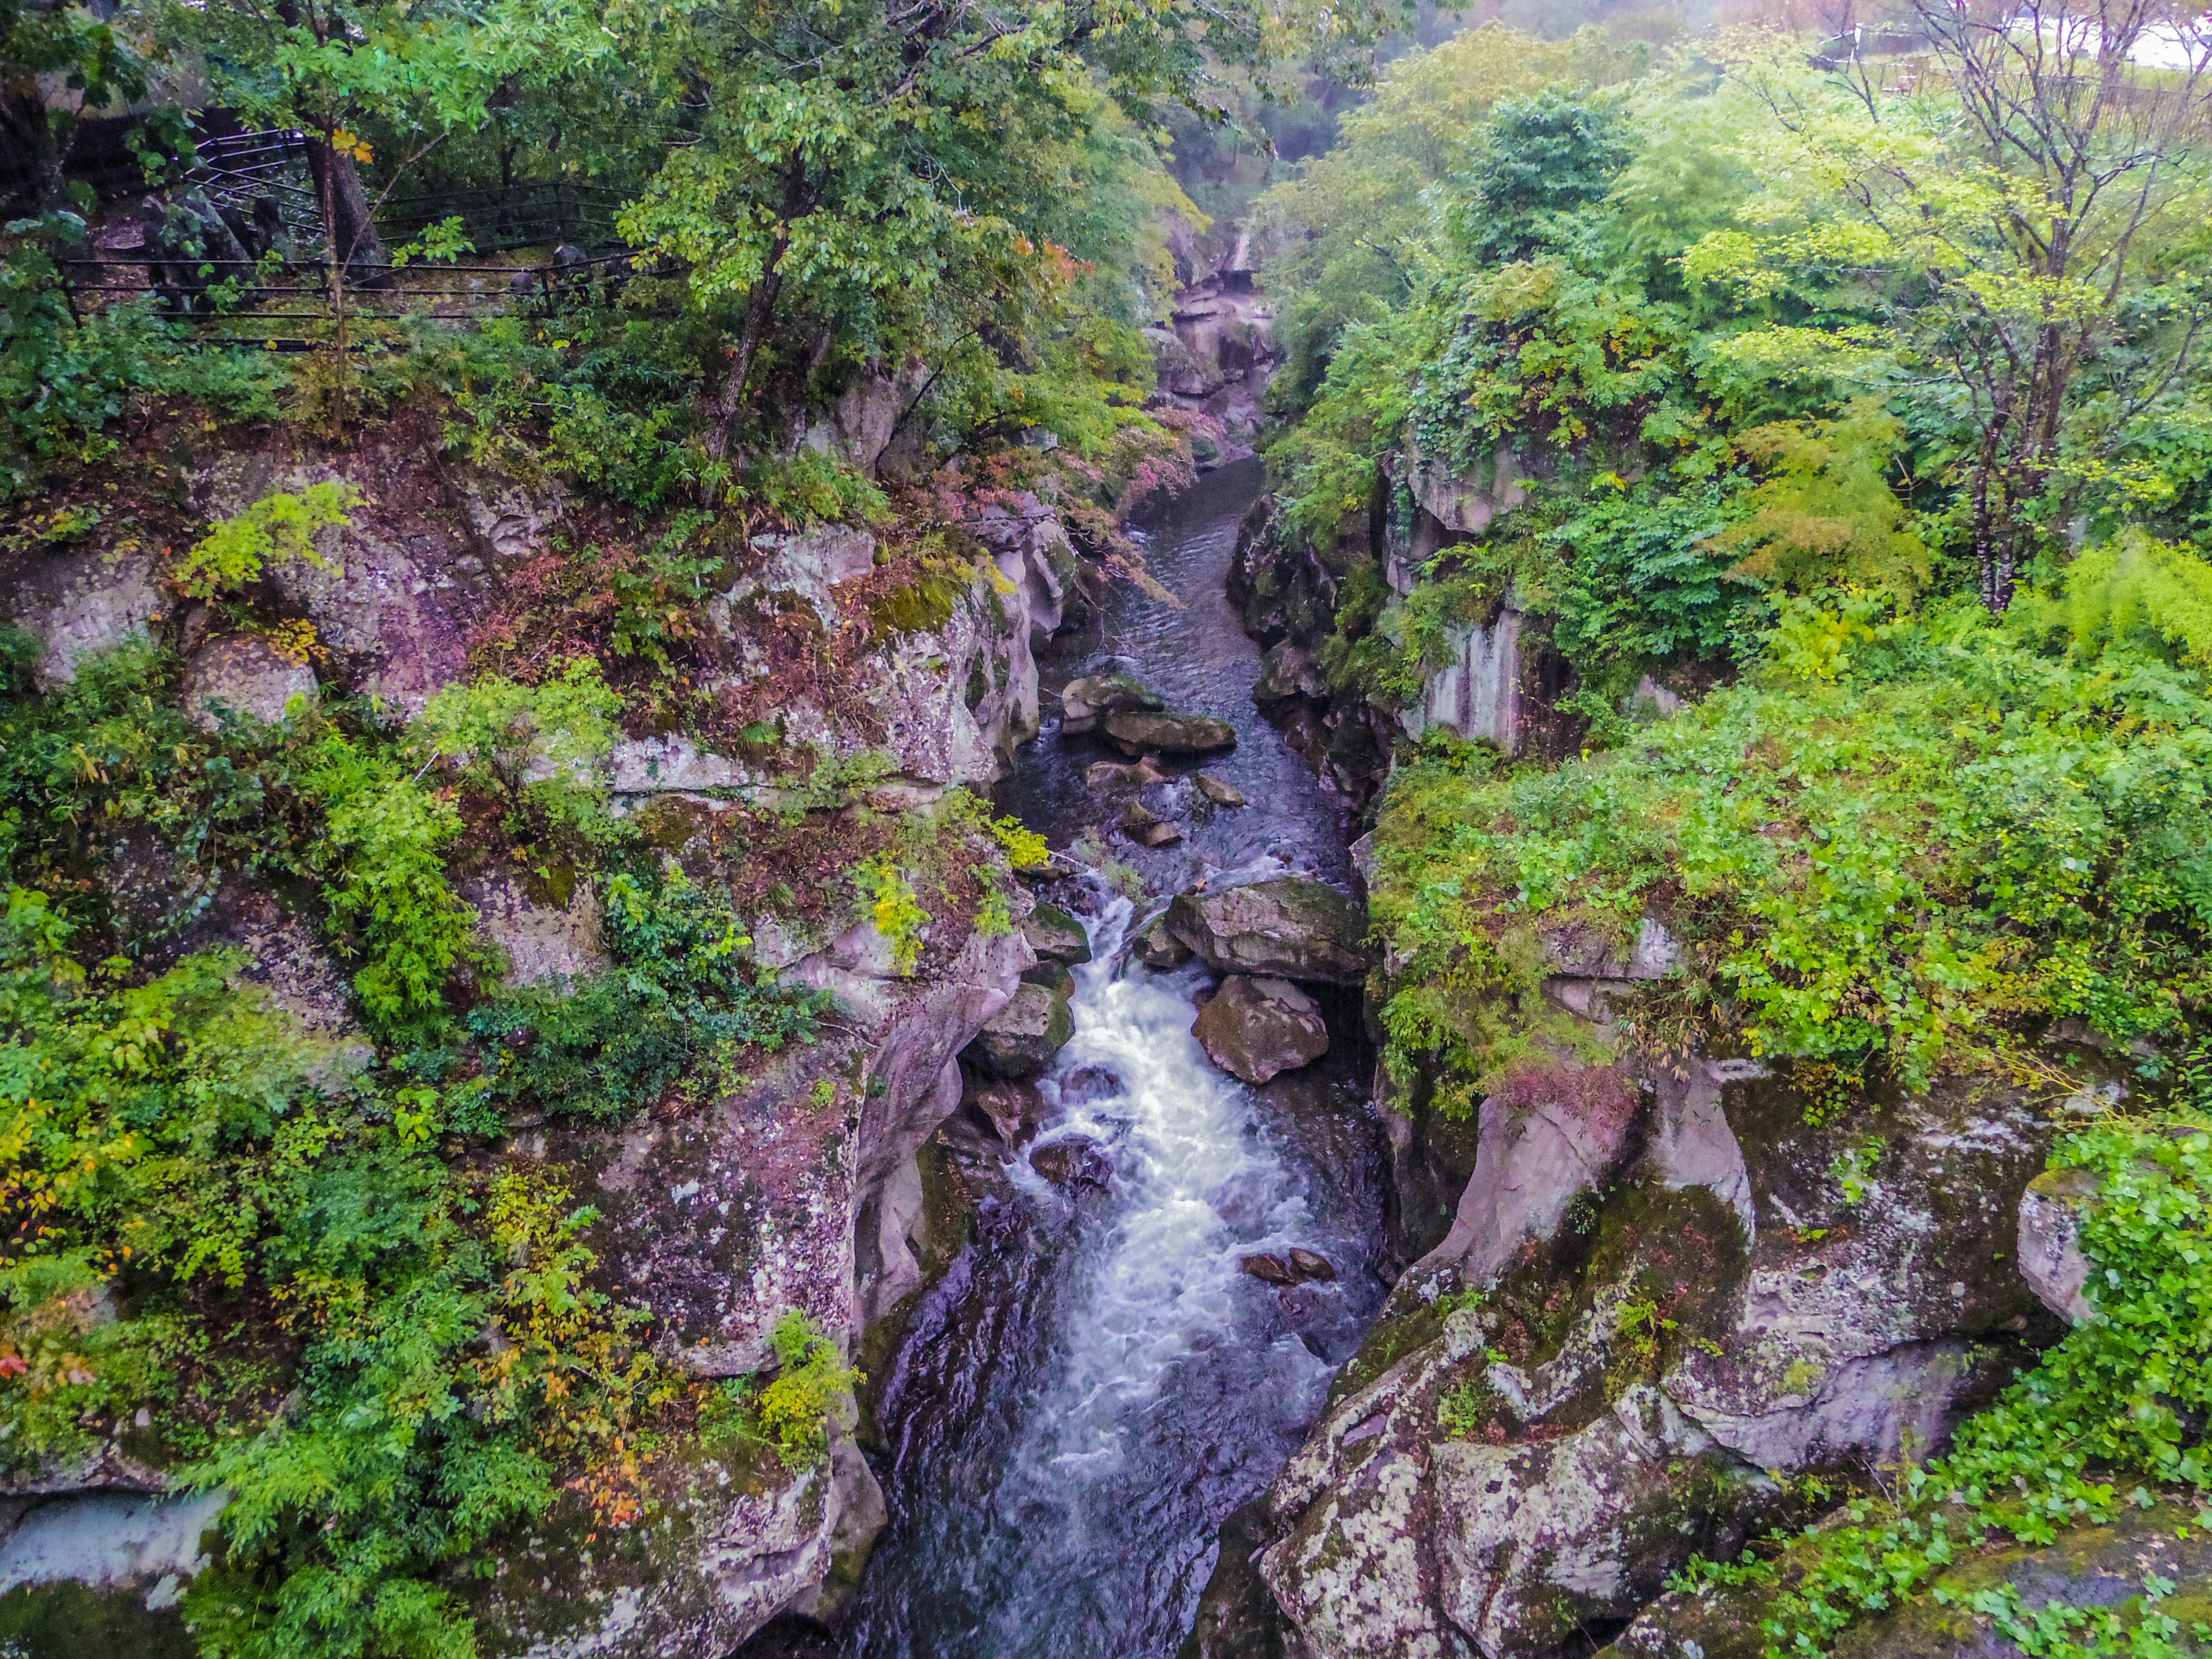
[(856, 682), (1658, 1303)]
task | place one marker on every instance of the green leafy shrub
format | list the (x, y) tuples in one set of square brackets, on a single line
[(279, 528), (679, 998), (1910, 852), (895, 908), (180, 1138), (542, 747), (381, 859), (794, 1410)]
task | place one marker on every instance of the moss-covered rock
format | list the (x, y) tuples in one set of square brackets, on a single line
[(1290, 928), (1018, 1042)]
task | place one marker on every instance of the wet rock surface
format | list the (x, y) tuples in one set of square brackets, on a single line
[(1656, 1298), (1255, 1029), (1018, 1042), (1136, 731), (1289, 927)]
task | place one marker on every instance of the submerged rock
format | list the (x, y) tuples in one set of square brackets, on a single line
[(1291, 927), (1134, 731), (1076, 1161), (1255, 1029), (1018, 1042), (1146, 828), (1219, 791), (1135, 775)]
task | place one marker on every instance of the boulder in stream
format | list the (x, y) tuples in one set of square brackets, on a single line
[(1255, 1029), (1219, 791), (1146, 828), (1014, 1110), (1055, 935), (1133, 730), (1290, 928), (1086, 700), (1131, 774), (1075, 1161), (1018, 1042), (1157, 948)]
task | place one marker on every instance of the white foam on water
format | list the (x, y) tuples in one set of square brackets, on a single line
[(1161, 1282)]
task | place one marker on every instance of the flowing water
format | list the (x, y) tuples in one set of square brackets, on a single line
[(1095, 1385)]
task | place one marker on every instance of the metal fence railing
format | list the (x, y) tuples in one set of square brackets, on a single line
[(295, 307)]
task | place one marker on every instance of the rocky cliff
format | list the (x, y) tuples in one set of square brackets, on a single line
[(851, 683)]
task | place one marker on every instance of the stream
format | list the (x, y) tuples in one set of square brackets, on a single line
[(1094, 1385)]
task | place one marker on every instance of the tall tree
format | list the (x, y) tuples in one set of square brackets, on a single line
[(2007, 190), (867, 156), (43, 42)]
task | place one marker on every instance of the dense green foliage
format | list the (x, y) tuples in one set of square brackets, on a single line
[(1905, 844), (1840, 439), (679, 1004), (207, 1210)]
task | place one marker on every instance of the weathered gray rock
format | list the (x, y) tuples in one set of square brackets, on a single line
[(1475, 692), (545, 941), (1087, 699), (1290, 928), (1056, 936), (1134, 732), (1256, 1028), (1288, 670), (1018, 1042), (1154, 947), (809, 565), (107, 1539), (1838, 1329), (246, 676), (76, 605), (2050, 1256), (1534, 1156)]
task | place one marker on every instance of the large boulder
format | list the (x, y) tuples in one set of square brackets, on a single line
[(1056, 936), (1086, 700), (1290, 928), (1018, 1042), (1256, 1028), (244, 676), (1661, 1295), (1137, 731)]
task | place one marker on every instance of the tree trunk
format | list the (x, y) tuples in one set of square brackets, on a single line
[(353, 238), (760, 309), (29, 132)]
